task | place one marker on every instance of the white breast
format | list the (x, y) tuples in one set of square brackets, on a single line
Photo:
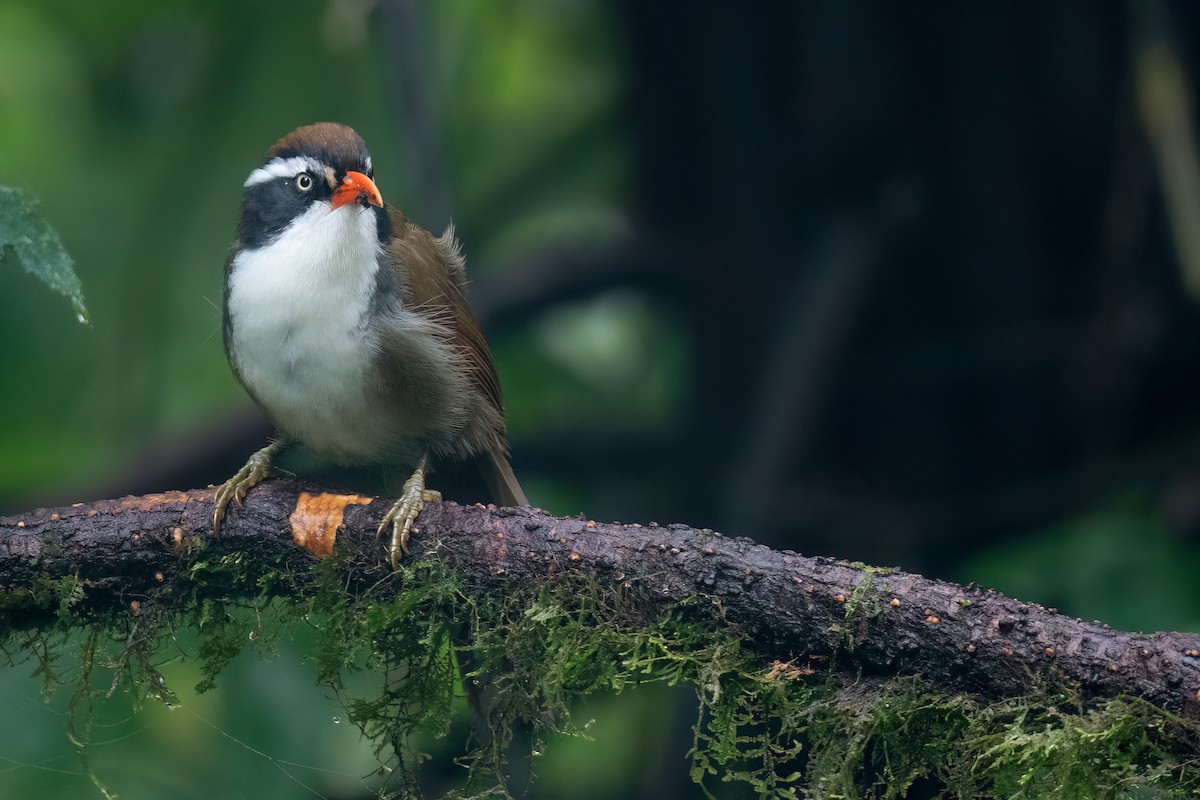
[(298, 307)]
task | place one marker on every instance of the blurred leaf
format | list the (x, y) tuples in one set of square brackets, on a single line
[(613, 363), (1121, 564), (37, 247)]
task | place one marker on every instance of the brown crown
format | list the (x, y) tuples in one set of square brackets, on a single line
[(334, 144)]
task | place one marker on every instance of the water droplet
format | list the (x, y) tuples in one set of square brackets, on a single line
[(82, 319), (337, 720)]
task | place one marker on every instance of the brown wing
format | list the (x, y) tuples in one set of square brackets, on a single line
[(435, 284)]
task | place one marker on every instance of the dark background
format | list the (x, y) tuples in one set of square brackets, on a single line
[(905, 283)]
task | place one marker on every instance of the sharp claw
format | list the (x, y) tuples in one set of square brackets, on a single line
[(250, 475), (403, 514)]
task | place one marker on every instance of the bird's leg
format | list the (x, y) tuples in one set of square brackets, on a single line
[(413, 498), (234, 490)]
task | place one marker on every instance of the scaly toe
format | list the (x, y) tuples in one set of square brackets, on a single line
[(403, 515), (234, 490)]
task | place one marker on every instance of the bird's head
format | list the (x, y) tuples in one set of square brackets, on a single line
[(308, 175)]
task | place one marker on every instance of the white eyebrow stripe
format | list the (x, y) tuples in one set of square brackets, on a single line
[(285, 168)]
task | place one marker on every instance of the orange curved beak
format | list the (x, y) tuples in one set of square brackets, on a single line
[(357, 186)]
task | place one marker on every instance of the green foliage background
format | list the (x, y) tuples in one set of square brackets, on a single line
[(135, 124)]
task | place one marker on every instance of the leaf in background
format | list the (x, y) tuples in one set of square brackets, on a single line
[(38, 247)]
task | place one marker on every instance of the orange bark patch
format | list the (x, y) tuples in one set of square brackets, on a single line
[(150, 502), (317, 517)]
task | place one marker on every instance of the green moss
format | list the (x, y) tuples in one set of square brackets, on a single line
[(1122, 747), (782, 729), (46, 599), (861, 607)]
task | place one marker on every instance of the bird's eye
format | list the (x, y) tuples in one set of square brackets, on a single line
[(304, 182)]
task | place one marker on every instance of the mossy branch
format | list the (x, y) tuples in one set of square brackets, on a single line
[(792, 610)]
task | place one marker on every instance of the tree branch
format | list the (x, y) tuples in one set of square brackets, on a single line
[(862, 620)]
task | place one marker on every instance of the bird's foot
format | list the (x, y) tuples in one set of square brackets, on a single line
[(234, 490), (402, 515)]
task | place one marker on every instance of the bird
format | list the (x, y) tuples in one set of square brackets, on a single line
[(348, 324)]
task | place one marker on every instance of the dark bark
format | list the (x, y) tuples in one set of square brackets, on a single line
[(790, 607)]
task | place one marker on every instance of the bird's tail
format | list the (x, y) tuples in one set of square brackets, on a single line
[(502, 484)]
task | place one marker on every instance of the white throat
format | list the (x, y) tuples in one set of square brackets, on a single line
[(298, 308)]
